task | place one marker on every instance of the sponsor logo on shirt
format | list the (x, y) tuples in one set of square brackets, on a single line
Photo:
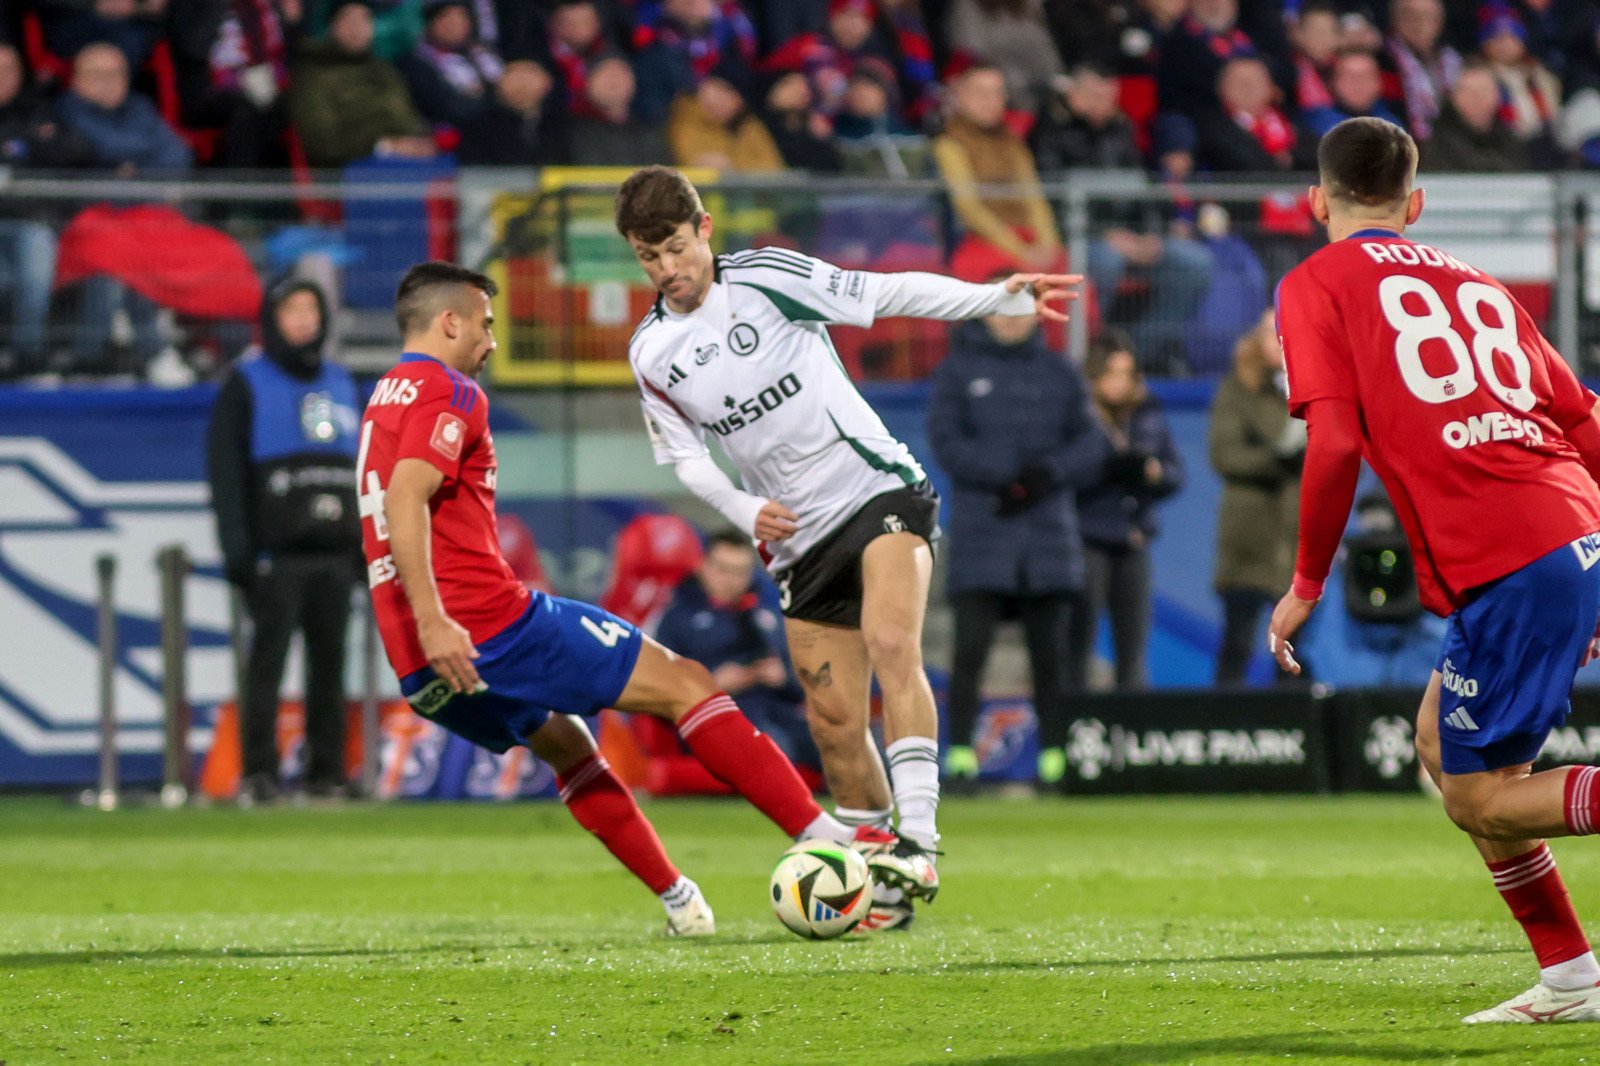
[(743, 339), (1492, 426), (393, 391), (833, 281), (742, 413), (428, 699), (1588, 549), (449, 434), (381, 570), (704, 355)]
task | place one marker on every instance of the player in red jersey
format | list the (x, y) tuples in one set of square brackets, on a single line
[(1489, 446), (486, 658)]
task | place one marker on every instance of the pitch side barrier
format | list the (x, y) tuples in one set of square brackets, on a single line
[(1274, 740)]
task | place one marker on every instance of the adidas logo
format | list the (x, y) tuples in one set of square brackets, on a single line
[(674, 375), (821, 912), (1460, 719)]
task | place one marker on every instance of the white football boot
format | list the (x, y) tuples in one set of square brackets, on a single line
[(1541, 1003), (898, 862), (694, 918)]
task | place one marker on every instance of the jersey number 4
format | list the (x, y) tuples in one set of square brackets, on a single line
[(1435, 324), (369, 488), (607, 632)]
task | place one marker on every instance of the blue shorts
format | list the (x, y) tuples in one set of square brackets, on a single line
[(560, 657), (1509, 658)]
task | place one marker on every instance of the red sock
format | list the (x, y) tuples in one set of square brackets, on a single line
[(1582, 800), (744, 758), (603, 805), (1532, 887)]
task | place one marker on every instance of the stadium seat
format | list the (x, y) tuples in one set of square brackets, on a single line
[(1136, 95)]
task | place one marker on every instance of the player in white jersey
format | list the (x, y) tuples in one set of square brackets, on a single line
[(736, 348)]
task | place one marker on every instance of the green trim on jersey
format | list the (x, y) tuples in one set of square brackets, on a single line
[(911, 475), (788, 306)]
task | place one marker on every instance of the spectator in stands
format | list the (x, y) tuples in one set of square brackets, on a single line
[(1357, 92), (347, 103), (32, 137), (871, 109), (577, 42), (232, 65), (1316, 36), (1194, 53), (124, 129), (1248, 134), (680, 43), (1118, 35), (976, 150), (1013, 36), (1426, 66), (1009, 421), (1468, 136), (717, 618), (803, 136), (607, 134), (1116, 511), (712, 127), (1530, 94), (396, 24), (281, 460), (860, 34), (133, 26), (1084, 128), (1257, 449)]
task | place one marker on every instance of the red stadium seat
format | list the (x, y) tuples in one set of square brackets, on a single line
[(653, 553)]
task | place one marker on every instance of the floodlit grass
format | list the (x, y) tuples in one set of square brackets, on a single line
[(1098, 932)]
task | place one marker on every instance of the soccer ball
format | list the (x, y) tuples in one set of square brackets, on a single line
[(821, 890)]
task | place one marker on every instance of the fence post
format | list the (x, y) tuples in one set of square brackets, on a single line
[(1569, 279), (105, 567), (1078, 262), (173, 564)]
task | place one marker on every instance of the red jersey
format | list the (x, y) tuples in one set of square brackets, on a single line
[(1464, 406), (424, 410)]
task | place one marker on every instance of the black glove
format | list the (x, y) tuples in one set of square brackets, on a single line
[(1032, 483), (1126, 468)]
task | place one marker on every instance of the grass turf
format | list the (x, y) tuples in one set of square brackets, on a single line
[(1103, 932)]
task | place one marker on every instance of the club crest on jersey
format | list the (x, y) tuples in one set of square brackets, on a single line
[(893, 523), (704, 355), (743, 339), (449, 433)]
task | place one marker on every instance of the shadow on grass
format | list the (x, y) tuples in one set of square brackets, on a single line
[(1364, 1046)]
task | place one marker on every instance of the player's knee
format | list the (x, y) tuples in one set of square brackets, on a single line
[(1478, 815), (690, 684), (893, 650)]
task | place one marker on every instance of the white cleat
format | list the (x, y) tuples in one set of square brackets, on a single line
[(692, 919), (1541, 1003), (898, 862)]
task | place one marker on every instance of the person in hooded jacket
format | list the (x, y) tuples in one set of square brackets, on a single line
[(281, 460), (1009, 422)]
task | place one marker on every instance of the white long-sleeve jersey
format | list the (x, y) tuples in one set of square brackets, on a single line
[(753, 366)]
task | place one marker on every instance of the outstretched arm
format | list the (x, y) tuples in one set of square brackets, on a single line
[(766, 520), (922, 295), (405, 508), (1327, 490)]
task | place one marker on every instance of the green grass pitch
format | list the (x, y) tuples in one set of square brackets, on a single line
[(1095, 931)]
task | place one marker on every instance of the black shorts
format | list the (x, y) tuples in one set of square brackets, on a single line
[(825, 584)]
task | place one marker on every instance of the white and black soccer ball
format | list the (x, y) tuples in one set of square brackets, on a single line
[(821, 889)]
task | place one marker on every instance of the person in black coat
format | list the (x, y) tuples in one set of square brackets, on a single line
[(281, 460), (1009, 421), (1117, 511)]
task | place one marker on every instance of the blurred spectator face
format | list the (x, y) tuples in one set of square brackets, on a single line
[(524, 85), (116, 9), (1118, 382), (1216, 14), (450, 28), (1356, 31), (351, 29), (980, 95), (1357, 83), (100, 75), (1477, 99), (611, 88), (10, 74), (693, 14), (575, 25), (790, 93), (850, 23), (1505, 47), (866, 98), (299, 318), (726, 571), (1267, 336), (1011, 330), (1317, 35), (1093, 97), (720, 101), (1245, 87), (1418, 23), (1165, 12)]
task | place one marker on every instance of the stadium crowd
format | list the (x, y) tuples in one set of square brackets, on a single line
[(985, 93)]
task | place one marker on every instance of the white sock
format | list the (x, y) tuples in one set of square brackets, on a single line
[(826, 827), (914, 774), (854, 816), (682, 893), (1572, 975)]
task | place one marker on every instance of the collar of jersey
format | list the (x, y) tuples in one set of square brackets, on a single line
[(1374, 232), (418, 357)]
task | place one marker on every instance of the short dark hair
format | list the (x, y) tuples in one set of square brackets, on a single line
[(1367, 161), (655, 201), (1108, 342), (426, 290), (729, 538)]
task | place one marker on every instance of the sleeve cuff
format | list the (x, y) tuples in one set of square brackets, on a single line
[(1304, 588)]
